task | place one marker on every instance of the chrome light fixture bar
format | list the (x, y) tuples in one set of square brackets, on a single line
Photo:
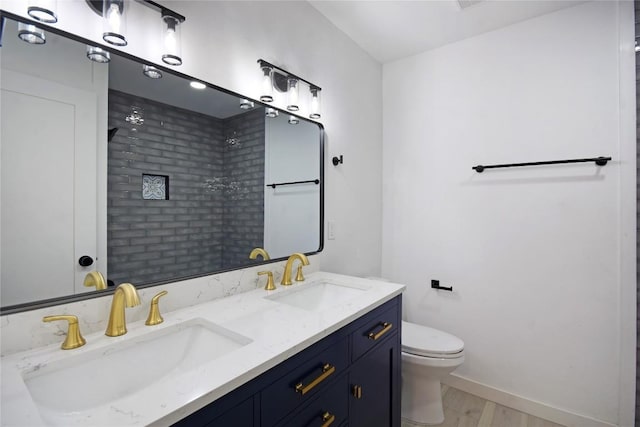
[(272, 76)]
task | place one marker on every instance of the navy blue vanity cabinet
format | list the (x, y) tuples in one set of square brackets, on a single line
[(349, 378), (375, 372)]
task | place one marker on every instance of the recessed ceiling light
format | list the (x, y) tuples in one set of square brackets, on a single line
[(198, 85)]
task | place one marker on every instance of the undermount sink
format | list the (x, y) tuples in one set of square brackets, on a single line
[(94, 378), (318, 296)]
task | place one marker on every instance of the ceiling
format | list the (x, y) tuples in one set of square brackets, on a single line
[(390, 30)]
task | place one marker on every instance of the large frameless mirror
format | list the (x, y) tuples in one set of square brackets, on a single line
[(129, 170)]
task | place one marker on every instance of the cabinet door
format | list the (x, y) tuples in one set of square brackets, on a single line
[(375, 391), (329, 409)]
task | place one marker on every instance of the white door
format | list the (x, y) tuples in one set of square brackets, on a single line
[(47, 188)]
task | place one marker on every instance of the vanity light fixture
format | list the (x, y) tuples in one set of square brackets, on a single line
[(314, 107), (197, 85), (113, 13), (172, 53), (274, 77), (245, 104), (271, 112), (43, 11), (98, 54), (292, 91), (31, 34), (115, 26), (293, 120), (267, 85), (151, 72)]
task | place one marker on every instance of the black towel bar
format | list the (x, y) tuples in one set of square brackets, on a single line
[(600, 161)]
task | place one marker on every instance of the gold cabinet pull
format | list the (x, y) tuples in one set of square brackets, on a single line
[(327, 419), (327, 370), (74, 338), (357, 391), (386, 327)]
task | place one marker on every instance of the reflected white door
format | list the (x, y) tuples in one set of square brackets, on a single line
[(47, 188)]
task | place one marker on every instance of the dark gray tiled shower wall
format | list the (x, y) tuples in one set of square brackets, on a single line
[(189, 234)]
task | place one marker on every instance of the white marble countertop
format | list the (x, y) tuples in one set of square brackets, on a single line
[(276, 330)]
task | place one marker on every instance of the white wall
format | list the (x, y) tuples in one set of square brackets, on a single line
[(222, 42), (539, 258)]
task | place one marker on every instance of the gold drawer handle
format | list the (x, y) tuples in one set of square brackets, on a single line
[(327, 370), (357, 391), (386, 327), (327, 419)]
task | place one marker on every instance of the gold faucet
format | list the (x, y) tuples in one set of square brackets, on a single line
[(286, 277), (74, 338), (95, 278), (259, 251), (124, 296)]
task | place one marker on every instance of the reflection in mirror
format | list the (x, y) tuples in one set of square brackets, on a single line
[(151, 180)]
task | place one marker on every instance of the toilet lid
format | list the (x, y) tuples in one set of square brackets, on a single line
[(426, 341)]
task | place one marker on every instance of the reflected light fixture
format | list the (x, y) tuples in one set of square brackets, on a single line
[(245, 104), (271, 112), (267, 86), (292, 91), (151, 72), (197, 85), (114, 22), (293, 120), (172, 50), (314, 107), (98, 54), (31, 34), (43, 11)]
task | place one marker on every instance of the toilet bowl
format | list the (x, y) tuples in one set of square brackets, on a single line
[(428, 356)]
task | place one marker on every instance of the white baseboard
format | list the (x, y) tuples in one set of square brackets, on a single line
[(523, 404)]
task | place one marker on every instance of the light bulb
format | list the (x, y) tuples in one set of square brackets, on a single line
[(267, 86), (171, 37), (114, 22), (292, 90), (314, 108)]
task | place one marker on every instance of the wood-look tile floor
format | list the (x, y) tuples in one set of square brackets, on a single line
[(466, 410)]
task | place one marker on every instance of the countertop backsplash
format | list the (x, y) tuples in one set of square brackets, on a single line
[(25, 330)]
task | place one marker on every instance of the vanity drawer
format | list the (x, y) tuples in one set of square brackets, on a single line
[(301, 384), (330, 409), (379, 324)]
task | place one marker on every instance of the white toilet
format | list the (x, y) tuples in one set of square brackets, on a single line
[(428, 355)]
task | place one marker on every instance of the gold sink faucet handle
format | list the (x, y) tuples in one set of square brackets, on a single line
[(299, 275), (95, 279), (154, 312), (270, 286), (74, 338)]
